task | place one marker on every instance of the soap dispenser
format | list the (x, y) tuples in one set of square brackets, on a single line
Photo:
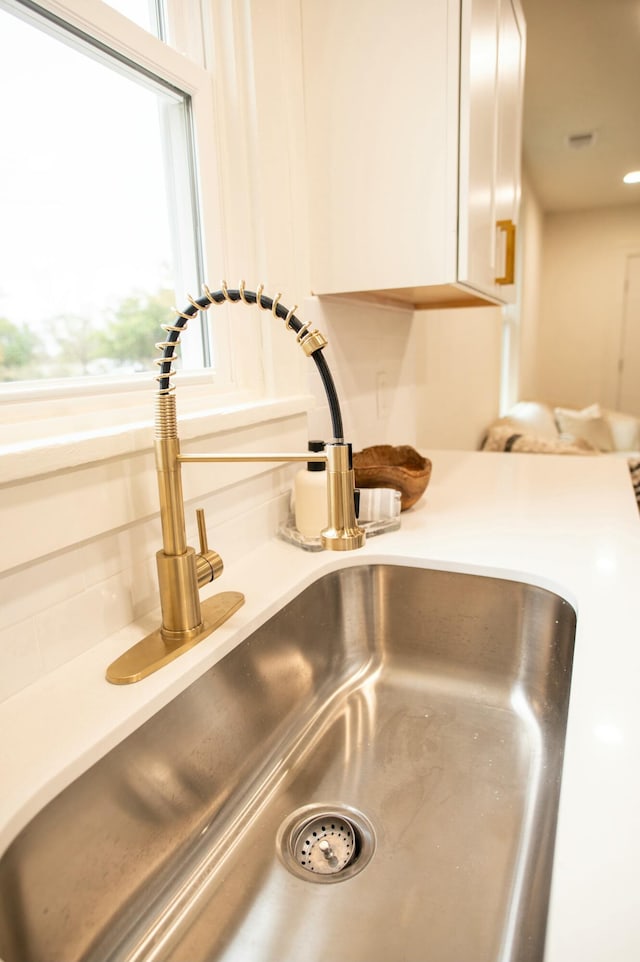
[(310, 496)]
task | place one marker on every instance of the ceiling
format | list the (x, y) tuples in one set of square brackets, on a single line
[(582, 75)]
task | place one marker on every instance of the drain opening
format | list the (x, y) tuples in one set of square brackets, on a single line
[(325, 845)]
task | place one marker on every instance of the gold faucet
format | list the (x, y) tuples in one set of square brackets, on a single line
[(181, 571)]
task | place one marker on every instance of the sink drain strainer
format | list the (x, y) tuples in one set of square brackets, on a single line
[(326, 843)]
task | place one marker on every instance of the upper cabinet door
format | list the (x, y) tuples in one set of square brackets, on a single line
[(478, 140), (492, 60), (380, 89), (511, 58), (413, 147)]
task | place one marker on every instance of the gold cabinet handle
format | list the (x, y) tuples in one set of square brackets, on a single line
[(510, 254)]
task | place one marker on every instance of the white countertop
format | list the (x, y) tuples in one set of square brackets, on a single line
[(567, 524)]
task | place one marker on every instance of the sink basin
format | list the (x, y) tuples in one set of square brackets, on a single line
[(399, 730)]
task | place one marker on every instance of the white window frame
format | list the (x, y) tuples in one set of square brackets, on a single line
[(50, 426)]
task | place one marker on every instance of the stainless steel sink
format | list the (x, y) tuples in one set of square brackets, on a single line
[(420, 713)]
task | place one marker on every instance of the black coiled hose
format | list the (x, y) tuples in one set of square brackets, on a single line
[(266, 303)]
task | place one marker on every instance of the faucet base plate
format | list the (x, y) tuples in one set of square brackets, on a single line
[(153, 652)]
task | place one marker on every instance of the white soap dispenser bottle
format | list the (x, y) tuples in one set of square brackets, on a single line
[(310, 496)]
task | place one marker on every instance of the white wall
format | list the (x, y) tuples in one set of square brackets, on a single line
[(373, 361), (458, 354), (581, 303), (525, 354)]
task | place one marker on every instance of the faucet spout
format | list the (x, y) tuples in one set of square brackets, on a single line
[(342, 532)]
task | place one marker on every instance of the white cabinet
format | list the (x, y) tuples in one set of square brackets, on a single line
[(413, 112)]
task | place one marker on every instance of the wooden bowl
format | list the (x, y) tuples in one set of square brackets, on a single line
[(389, 466)]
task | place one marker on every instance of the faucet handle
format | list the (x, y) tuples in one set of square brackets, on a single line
[(209, 564), (202, 530)]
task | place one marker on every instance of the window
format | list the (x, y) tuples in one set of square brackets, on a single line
[(97, 193), (54, 423), (148, 14), (178, 22)]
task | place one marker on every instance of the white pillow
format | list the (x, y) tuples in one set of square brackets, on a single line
[(588, 424), (625, 430), (534, 417)]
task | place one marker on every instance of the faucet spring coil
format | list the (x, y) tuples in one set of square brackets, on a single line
[(303, 332), (312, 341), (174, 331), (166, 421)]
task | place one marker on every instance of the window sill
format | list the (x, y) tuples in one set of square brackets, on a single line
[(72, 445)]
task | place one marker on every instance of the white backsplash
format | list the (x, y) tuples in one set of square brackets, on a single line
[(80, 544), (373, 361), (61, 602)]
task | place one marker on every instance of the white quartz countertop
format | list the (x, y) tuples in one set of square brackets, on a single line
[(567, 524)]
